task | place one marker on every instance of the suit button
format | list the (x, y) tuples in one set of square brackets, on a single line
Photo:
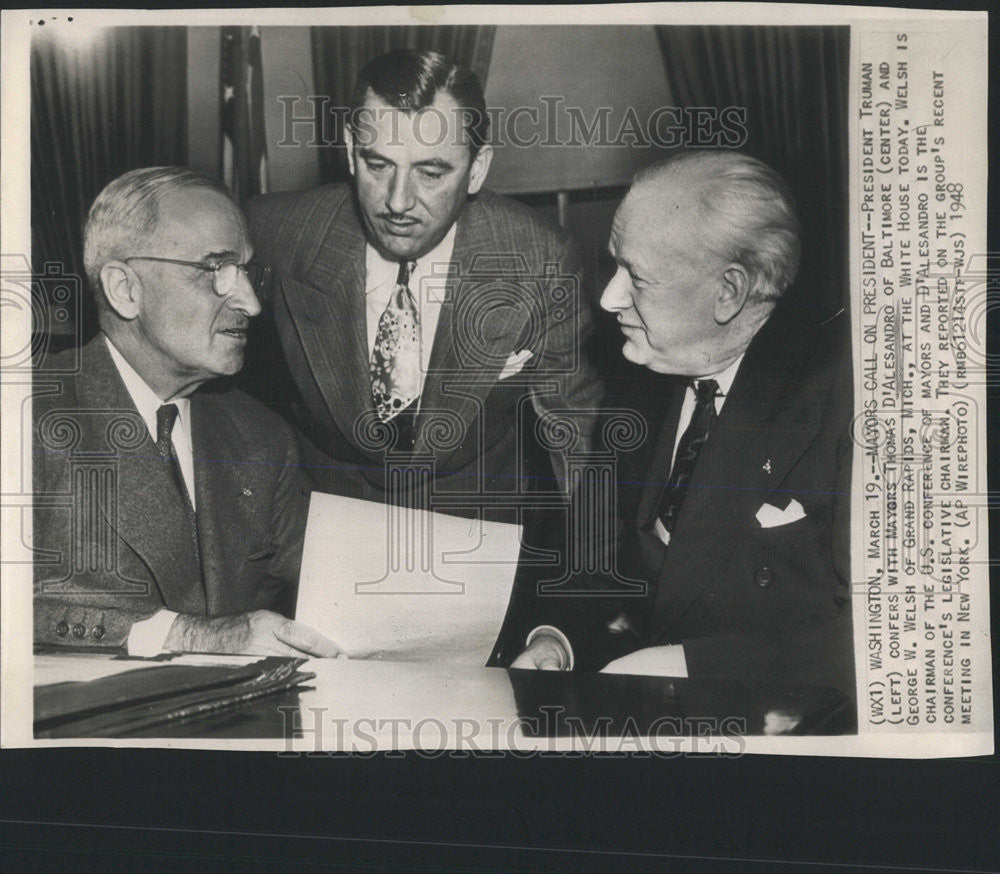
[(764, 577), (79, 630), (97, 632), (62, 629)]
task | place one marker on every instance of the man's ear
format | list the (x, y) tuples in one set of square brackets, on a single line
[(732, 294), (480, 167), (122, 289), (349, 142)]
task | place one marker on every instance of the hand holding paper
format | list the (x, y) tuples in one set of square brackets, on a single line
[(260, 632)]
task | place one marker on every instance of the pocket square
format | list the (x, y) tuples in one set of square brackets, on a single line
[(771, 517), (515, 363)]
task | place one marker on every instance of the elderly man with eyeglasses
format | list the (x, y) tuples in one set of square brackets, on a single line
[(169, 506)]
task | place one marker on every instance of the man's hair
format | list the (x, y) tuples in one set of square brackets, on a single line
[(125, 215), (410, 80), (746, 211)]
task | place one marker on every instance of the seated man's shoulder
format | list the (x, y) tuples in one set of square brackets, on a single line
[(828, 351), (63, 379), (816, 360)]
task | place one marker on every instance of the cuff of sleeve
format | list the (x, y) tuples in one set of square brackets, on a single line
[(552, 632), (147, 637)]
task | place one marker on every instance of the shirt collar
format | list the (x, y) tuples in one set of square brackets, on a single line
[(724, 377), (380, 271), (146, 401)]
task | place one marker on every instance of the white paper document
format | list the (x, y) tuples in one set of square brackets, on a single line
[(405, 585)]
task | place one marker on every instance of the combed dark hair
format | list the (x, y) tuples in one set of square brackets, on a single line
[(410, 80), (126, 213), (747, 212)]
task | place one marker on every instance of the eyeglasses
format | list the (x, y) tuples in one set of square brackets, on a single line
[(224, 273)]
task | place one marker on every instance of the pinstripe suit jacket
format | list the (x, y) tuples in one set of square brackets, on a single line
[(514, 283)]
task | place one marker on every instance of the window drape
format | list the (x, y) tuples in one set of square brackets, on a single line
[(793, 83), (99, 108)]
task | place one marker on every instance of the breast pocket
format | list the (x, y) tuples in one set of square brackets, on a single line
[(789, 569), (263, 554)]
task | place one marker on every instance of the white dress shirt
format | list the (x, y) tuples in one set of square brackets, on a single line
[(147, 402), (146, 638), (427, 285)]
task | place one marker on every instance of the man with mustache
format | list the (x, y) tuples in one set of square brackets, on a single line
[(735, 510), (423, 317), (169, 508)]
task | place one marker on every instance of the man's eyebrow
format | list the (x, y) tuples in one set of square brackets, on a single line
[(616, 253), (368, 153), (439, 163), (218, 256)]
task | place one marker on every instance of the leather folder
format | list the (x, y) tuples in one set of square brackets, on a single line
[(138, 700)]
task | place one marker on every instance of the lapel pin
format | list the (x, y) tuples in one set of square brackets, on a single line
[(246, 492), (766, 466)]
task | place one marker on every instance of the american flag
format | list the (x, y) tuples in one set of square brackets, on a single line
[(244, 144)]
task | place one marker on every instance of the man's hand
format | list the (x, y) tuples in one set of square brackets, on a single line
[(545, 653), (260, 632)]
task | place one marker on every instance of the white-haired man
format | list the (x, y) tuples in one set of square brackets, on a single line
[(734, 511), (168, 515)]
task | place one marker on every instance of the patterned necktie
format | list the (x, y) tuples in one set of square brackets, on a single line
[(166, 416), (692, 441), (395, 361)]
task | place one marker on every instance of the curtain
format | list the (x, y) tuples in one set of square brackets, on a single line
[(98, 108), (793, 83), (339, 53)]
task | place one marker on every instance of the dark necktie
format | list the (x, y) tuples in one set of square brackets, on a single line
[(688, 449), (166, 416), (395, 359)]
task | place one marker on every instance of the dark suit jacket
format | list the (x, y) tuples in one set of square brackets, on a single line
[(514, 283), (112, 539), (744, 601)]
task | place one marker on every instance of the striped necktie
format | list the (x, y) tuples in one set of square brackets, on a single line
[(695, 437)]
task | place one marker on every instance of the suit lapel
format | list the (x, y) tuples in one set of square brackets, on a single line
[(326, 309), (466, 360), (227, 485), (670, 397), (763, 430), (150, 515)]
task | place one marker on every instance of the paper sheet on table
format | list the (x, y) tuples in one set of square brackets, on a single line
[(405, 585)]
